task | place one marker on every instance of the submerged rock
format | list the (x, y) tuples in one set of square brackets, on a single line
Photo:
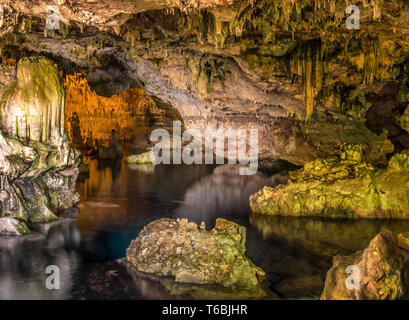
[(12, 227), (341, 186), (38, 169), (214, 292), (307, 284), (381, 272), (325, 238), (191, 254)]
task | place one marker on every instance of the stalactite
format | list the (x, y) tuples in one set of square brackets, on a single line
[(308, 87)]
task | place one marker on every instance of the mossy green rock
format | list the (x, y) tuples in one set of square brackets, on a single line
[(403, 240), (403, 119), (191, 254), (341, 186), (12, 227)]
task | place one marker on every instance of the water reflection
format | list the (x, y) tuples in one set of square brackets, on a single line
[(325, 237), (223, 193), (117, 201), (23, 262)]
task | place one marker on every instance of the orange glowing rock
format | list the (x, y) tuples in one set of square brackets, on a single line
[(90, 118), (11, 62)]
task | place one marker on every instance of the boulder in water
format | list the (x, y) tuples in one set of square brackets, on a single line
[(379, 272), (191, 254)]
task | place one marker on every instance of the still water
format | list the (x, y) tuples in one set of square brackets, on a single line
[(117, 201)]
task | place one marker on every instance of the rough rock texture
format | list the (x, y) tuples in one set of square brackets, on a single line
[(32, 106), (267, 65), (191, 254), (383, 272), (38, 168), (104, 13), (13, 227), (342, 186)]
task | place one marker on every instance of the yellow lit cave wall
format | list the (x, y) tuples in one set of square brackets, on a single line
[(90, 118)]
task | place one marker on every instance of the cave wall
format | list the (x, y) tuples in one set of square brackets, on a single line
[(290, 68), (38, 168), (90, 118), (32, 108)]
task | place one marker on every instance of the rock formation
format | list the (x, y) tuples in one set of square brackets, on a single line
[(403, 240), (382, 272), (403, 119), (191, 254), (342, 186), (267, 65), (13, 227), (38, 168), (324, 237), (90, 118)]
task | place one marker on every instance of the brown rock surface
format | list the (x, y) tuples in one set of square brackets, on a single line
[(383, 272)]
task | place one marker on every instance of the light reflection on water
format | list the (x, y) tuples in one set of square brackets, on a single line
[(118, 201), (23, 262)]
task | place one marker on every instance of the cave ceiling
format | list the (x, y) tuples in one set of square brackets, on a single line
[(105, 13), (254, 60)]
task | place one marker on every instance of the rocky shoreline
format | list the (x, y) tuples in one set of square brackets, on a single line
[(342, 186)]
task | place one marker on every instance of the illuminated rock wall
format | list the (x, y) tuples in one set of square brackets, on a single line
[(34, 107), (90, 118), (38, 168), (263, 64)]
